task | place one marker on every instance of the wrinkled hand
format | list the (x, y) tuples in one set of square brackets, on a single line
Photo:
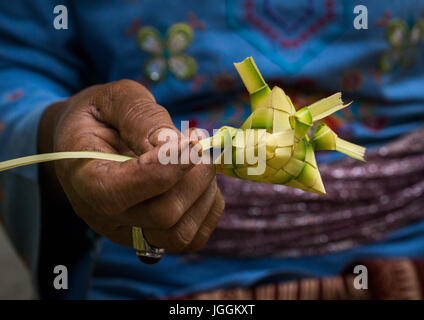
[(177, 205)]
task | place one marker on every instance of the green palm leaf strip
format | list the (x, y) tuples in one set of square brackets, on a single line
[(46, 157)]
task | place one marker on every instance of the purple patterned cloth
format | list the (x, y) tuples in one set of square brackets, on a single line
[(364, 202)]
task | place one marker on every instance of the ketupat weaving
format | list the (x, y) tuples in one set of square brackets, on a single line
[(282, 132), (274, 127)]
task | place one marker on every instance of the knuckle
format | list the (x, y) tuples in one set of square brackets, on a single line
[(166, 211), (219, 203), (205, 233), (207, 229), (125, 84), (201, 239), (203, 177), (166, 222), (124, 87), (160, 111), (178, 205), (184, 232), (91, 187), (205, 173), (179, 239), (137, 110), (209, 172), (161, 177), (146, 108), (163, 218)]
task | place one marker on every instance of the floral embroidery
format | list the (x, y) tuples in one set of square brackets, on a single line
[(167, 54), (404, 43)]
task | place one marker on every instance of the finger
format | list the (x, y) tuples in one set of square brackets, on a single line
[(121, 235), (208, 225), (183, 232), (130, 108), (113, 187), (116, 233), (163, 211)]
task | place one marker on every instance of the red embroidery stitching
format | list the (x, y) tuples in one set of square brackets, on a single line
[(250, 15)]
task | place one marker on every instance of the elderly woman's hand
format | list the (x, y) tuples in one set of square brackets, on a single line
[(177, 205)]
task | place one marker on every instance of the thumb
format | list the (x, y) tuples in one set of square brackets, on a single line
[(130, 108)]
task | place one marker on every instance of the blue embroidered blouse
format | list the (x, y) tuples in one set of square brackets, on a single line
[(310, 41)]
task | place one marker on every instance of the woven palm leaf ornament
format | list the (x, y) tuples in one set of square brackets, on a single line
[(289, 156), (274, 127)]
